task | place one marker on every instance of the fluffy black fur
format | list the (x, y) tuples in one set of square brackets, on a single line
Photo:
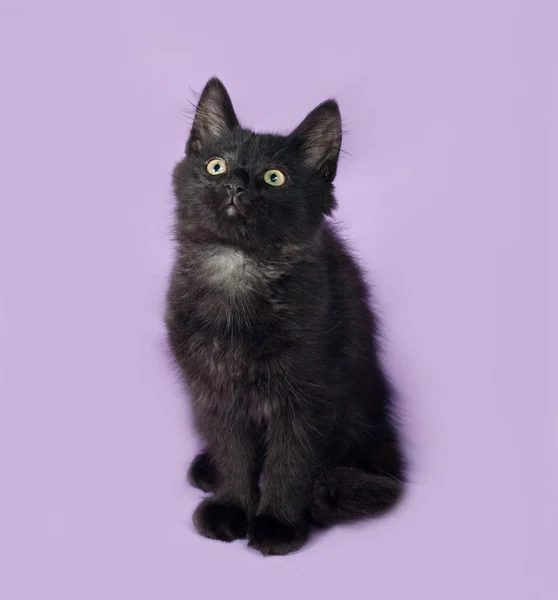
[(269, 321)]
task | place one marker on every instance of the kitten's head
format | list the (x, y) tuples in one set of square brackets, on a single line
[(256, 190)]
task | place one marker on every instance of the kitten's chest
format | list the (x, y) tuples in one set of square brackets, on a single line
[(230, 288), (227, 270), (232, 316)]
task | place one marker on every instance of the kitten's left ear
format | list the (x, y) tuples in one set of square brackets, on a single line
[(319, 139), (214, 116)]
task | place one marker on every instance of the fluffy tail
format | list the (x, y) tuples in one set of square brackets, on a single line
[(344, 494)]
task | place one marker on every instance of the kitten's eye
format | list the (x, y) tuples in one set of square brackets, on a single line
[(274, 177), (216, 166)]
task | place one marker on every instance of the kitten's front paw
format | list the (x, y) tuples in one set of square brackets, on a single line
[(270, 536), (219, 521)]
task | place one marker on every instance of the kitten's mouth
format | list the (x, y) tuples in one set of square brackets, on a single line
[(232, 209)]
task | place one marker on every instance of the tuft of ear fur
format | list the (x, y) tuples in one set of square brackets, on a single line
[(214, 116), (319, 139)]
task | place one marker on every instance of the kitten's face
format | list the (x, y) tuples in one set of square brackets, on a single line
[(255, 190)]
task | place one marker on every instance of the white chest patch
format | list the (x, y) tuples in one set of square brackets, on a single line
[(227, 266)]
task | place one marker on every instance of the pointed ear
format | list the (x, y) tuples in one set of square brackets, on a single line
[(319, 139), (214, 116)]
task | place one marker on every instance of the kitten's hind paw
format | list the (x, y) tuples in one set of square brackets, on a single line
[(219, 521), (270, 536)]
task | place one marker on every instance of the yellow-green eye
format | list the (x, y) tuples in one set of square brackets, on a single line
[(274, 177), (216, 166)]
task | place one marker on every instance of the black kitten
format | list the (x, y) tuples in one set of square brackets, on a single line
[(269, 322)]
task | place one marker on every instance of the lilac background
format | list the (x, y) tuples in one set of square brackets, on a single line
[(445, 193)]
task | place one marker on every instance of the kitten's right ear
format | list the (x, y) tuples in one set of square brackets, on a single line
[(214, 116)]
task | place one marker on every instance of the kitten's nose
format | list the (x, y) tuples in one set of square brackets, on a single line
[(234, 188), (237, 182)]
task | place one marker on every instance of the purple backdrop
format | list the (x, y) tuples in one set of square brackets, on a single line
[(444, 193)]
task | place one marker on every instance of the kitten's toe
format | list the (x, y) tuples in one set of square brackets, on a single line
[(220, 521), (202, 473), (270, 536)]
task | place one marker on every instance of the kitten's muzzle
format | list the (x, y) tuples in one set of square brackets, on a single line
[(235, 185)]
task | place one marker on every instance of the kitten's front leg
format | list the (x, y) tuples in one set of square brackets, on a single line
[(293, 459), (225, 516)]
